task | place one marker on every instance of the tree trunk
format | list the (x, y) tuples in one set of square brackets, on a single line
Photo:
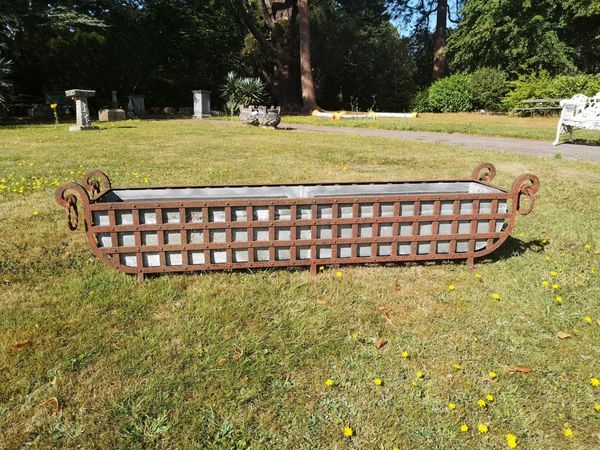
[(309, 102), (439, 45)]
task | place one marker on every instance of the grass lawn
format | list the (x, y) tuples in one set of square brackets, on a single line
[(240, 360), (542, 128)]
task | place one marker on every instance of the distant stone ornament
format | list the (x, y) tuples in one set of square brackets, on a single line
[(269, 117), (111, 115), (248, 115), (136, 106), (82, 112), (201, 103)]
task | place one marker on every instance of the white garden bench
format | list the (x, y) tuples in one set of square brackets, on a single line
[(578, 112)]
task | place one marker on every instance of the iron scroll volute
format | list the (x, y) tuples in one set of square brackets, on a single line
[(525, 185), (484, 172), (96, 183), (66, 196)]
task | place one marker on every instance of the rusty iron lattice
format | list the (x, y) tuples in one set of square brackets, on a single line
[(184, 229)]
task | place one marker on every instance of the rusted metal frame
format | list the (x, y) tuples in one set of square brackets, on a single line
[(524, 185), (304, 242), (304, 263), (305, 223)]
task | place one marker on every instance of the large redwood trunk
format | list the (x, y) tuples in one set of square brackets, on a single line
[(439, 46), (309, 102)]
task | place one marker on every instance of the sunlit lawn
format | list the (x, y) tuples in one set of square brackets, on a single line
[(240, 360), (537, 127)]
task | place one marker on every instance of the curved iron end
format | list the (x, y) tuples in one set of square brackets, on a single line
[(66, 196), (95, 182), (526, 184), (484, 172)]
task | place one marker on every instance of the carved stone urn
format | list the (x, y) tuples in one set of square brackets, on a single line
[(248, 115), (269, 117)]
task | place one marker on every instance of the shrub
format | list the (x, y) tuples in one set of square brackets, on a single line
[(488, 87), (421, 101), (450, 94), (543, 86), (238, 91)]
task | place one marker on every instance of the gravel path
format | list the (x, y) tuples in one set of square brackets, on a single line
[(525, 146)]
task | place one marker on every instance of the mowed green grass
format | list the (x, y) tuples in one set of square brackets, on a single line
[(537, 127), (240, 360)]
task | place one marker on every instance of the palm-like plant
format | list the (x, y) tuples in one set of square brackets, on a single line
[(5, 83), (238, 92)]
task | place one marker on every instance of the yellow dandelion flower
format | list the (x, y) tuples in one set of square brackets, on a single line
[(338, 274), (559, 299), (481, 403), (593, 270), (451, 287), (321, 268), (555, 286), (597, 407), (464, 428), (588, 319), (456, 366), (493, 375), (452, 406), (348, 432), (35, 213), (553, 273), (483, 428), (496, 296), (377, 381), (587, 246), (544, 241), (405, 354), (489, 398), (420, 374), (568, 432), (329, 382), (595, 382), (511, 441), (545, 283), (477, 275), (547, 258), (354, 336)]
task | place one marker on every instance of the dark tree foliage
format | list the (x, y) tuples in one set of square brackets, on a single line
[(525, 36), (362, 57), (422, 16), (356, 53), (161, 48)]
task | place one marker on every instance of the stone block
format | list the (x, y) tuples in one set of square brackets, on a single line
[(111, 115)]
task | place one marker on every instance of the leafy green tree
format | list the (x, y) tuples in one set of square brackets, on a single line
[(418, 14), (525, 36)]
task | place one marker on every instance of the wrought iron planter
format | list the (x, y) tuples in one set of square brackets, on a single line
[(185, 229)]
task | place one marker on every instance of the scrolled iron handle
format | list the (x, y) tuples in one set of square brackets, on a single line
[(525, 185), (484, 172), (66, 196), (92, 183)]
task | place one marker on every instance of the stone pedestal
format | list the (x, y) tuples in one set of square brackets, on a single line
[(136, 106), (111, 115), (82, 112), (201, 104)]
